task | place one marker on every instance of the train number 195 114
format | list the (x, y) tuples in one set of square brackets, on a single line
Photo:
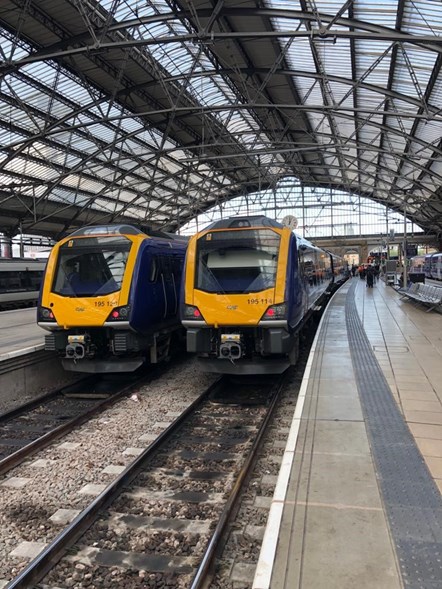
[(257, 301)]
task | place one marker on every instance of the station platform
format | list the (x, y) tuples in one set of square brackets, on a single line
[(19, 333), (26, 369), (358, 499)]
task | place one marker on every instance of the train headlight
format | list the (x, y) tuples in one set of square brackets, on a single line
[(119, 314), (275, 312), (45, 314), (191, 312)]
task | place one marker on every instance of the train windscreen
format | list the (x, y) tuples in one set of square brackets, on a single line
[(91, 266), (237, 261)]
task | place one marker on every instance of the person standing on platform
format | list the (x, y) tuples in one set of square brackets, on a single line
[(370, 274), (377, 271)]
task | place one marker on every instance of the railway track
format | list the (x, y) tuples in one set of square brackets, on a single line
[(161, 521), (34, 425)]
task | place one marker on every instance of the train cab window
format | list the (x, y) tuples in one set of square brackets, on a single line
[(237, 262), (93, 266)]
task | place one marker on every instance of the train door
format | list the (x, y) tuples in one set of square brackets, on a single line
[(302, 295), (433, 266), (310, 279), (438, 267), (157, 298), (427, 265), (170, 288)]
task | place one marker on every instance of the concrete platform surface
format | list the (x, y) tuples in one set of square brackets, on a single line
[(344, 497), (19, 333)]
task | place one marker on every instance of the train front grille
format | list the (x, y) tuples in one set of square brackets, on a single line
[(50, 342)]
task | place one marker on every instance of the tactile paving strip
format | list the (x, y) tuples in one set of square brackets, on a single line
[(412, 501)]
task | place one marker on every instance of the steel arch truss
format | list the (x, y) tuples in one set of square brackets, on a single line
[(153, 111)]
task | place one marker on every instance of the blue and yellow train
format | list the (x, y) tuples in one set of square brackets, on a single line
[(250, 285), (110, 298)]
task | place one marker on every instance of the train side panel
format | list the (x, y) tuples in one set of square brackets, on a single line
[(417, 265), (316, 272), (436, 266), (296, 293), (157, 274), (340, 269), (427, 265)]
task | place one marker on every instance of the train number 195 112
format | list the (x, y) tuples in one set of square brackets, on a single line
[(105, 303)]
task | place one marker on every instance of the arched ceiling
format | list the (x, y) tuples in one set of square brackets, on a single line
[(154, 111)]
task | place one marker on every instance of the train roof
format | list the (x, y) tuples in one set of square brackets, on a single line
[(20, 264), (93, 230), (22, 260), (244, 222), (259, 221)]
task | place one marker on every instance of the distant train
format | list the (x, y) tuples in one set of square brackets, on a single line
[(20, 281), (436, 266), (417, 265), (110, 298), (433, 266), (250, 285)]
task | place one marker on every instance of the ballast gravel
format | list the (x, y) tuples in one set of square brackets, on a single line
[(65, 469)]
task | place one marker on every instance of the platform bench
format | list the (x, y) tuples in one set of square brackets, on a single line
[(424, 294)]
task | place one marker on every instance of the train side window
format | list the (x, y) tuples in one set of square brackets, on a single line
[(11, 282), (34, 279), (154, 269), (177, 269), (166, 268), (4, 280)]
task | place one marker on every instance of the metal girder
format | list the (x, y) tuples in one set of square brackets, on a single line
[(177, 106), (357, 30)]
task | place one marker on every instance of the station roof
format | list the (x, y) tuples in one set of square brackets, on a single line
[(153, 111)]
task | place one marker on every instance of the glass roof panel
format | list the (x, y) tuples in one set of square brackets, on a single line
[(68, 127), (373, 62), (382, 13), (422, 17), (20, 165)]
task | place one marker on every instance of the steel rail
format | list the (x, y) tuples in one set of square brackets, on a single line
[(41, 442), (34, 403), (49, 557), (204, 571)]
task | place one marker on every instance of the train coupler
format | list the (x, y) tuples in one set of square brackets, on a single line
[(78, 346), (231, 347)]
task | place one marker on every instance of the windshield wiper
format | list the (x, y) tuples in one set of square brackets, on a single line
[(212, 275)]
